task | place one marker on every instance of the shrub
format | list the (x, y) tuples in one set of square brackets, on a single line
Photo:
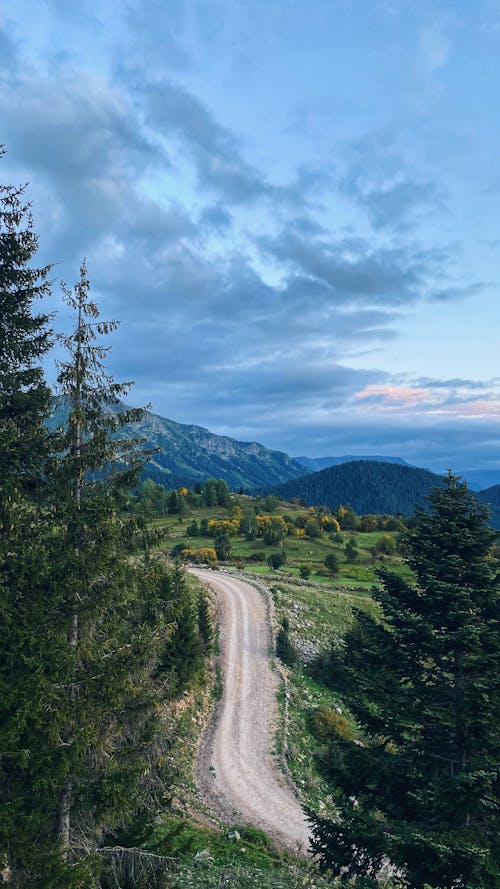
[(284, 647), (276, 560), (327, 723), (332, 563), (177, 550), (206, 555), (386, 545)]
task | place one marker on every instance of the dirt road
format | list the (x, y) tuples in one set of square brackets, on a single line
[(236, 769)]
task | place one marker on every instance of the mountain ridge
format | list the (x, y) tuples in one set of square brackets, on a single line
[(316, 464), (185, 454)]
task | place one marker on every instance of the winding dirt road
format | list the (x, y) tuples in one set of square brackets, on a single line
[(236, 769)]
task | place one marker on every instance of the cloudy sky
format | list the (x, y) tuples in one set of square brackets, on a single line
[(291, 205)]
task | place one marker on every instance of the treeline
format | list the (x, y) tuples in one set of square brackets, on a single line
[(98, 635), (155, 501)]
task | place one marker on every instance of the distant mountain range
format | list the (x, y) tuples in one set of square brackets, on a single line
[(189, 454), (491, 498), (478, 479)]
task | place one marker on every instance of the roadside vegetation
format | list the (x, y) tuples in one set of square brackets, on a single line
[(348, 602)]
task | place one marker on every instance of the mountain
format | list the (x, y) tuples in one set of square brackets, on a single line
[(369, 486), (189, 454), (479, 479), (491, 498), (315, 464)]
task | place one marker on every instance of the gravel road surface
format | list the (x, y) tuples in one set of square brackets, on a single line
[(236, 769)]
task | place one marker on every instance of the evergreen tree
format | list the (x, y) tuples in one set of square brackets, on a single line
[(182, 658), (27, 656), (83, 630), (222, 545), (422, 791), (284, 646), (332, 563), (351, 550), (25, 338), (205, 623), (107, 722)]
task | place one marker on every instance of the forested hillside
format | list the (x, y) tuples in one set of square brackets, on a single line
[(368, 486), (491, 498), (316, 464)]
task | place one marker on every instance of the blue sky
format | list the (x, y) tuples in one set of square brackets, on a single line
[(291, 206)]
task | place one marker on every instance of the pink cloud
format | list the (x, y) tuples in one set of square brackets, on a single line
[(472, 409), (394, 395)]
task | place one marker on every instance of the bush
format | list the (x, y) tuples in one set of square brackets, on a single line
[(205, 555), (312, 530), (305, 572), (284, 647), (332, 563), (351, 550), (177, 550), (276, 560), (222, 544), (386, 545), (327, 723)]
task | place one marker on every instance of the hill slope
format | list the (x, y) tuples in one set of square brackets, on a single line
[(315, 464), (369, 486), (491, 498), (190, 454)]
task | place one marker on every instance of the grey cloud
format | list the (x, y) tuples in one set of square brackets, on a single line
[(8, 54), (377, 178), (446, 294), (155, 34), (216, 216), (453, 383), (435, 445), (401, 203), (174, 111), (351, 269), (361, 270)]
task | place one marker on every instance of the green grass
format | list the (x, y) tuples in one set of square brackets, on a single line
[(318, 613), (205, 857)]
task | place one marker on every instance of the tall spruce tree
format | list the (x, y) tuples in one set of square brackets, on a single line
[(25, 338), (84, 627), (25, 525), (115, 613), (422, 791)]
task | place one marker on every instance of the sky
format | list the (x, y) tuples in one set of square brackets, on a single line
[(290, 205)]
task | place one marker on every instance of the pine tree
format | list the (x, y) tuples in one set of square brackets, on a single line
[(423, 790)]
